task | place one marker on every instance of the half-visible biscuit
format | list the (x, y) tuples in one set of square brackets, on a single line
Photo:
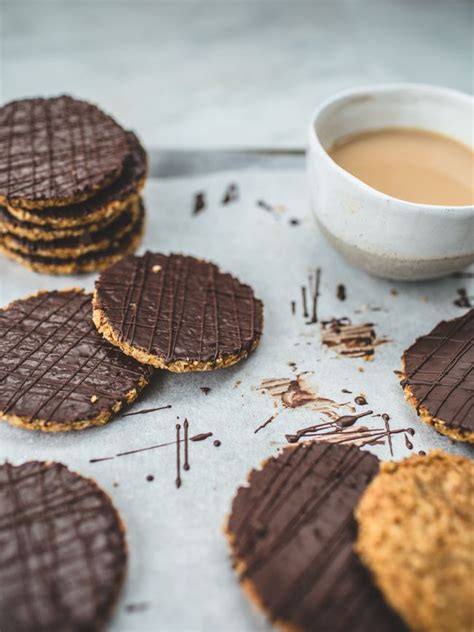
[(63, 551), (438, 377), (416, 525), (177, 312)]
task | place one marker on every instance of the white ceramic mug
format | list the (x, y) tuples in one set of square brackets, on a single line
[(383, 235)]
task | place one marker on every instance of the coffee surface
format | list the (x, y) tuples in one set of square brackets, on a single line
[(410, 164)]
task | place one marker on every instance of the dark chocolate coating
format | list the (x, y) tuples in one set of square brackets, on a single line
[(57, 149), (53, 363), (133, 173), (439, 370), (62, 550), (293, 530), (187, 310)]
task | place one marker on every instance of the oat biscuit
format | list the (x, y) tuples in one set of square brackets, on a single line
[(57, 151), (177, 312), (56, 372), (415, 535), (291, 532), (63, 553)]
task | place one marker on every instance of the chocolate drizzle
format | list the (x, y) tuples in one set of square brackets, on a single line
[(63, 553), (265, 424), (313, 289), (292, 531), (178, 455), (145, 411), (179, 308), (341, 292), (439, 371)]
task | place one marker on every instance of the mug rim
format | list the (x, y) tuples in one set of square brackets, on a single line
[(369, 90)]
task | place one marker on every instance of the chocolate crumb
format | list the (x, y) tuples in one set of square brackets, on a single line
[(205, 389), (341, 292), (150, 478), (199, 202), (463, 299), (231, 194), (294, 221), (217, 443)]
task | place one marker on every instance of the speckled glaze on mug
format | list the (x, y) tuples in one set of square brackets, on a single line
[(383, 235)]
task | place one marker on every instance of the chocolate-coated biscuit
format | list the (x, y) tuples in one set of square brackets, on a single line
[(88, 262), (103, 206), (62, 550), (292, 531), (438, 377), (56, 372), (57, 151), (177, 312), (71, 247), (416, 525)]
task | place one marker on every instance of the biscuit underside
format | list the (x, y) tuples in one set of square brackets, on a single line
[(175, 366), (426, 417), (415, 599), (90, 264)]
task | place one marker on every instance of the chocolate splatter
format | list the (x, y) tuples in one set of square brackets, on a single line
[(304, 301), (422, 453), (145, 411), (217, 443), (394, 291), (293, 307), (296, 392), (341, 292), (150, 478), (360, 400), (265, 424), (205, 389), (231, 194), (199, 202), (294, 221), (344, 390), (463, 299), (348, 340), (311, 290)]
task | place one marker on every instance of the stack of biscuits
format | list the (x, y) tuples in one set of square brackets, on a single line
[(70, 183)]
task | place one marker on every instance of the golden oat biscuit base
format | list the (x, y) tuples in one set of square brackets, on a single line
[(57, 151), (416, 537), (56, 372), (89, 262), (438, 377), (103, 206), (63, 553), (70, 247), (177, 312), (291, 531)]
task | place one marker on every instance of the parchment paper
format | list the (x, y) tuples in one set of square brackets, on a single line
[(179, 572)]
